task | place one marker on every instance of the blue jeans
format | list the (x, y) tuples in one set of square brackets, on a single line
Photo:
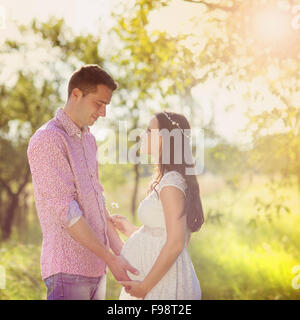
[(64, 286)]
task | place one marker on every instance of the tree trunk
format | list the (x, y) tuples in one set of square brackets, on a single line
[(13, 201), (9, 218), (21, 218), (135, 190)]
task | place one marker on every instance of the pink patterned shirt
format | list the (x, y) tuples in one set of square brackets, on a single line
[(64, 168)]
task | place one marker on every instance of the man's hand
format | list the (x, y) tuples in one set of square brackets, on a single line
[(119, 266), (83, 234)]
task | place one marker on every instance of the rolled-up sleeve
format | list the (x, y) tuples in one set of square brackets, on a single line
[(74, 213), (104, 199), (53, 179)]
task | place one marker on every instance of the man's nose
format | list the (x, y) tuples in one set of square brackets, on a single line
[(102, 112)]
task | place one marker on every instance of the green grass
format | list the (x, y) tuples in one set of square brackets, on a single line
[(22, 269), (233, 260), (236, 261)]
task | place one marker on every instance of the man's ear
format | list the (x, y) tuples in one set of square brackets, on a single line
[(77, 93)]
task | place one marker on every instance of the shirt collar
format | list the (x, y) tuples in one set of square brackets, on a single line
[(68, 124)]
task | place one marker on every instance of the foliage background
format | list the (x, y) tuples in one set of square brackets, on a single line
[(231, 71)]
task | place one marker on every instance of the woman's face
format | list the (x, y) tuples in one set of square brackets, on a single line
[(151, 140)]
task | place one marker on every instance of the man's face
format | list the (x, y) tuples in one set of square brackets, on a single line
[(93, 105)]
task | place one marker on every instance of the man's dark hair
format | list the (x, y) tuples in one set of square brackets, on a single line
[(88, 77)]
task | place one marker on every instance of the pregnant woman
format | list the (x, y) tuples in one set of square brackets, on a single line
[(170, 212)]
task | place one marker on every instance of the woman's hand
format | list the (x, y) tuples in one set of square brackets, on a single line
[(134, 288), (122, 224)]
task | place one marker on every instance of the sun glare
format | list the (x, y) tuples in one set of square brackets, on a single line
[(271, 25)]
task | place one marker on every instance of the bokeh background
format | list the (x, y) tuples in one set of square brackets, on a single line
[(232, 67)]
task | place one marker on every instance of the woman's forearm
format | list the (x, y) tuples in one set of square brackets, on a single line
[(165, 260), (116, 244), (134, 229)]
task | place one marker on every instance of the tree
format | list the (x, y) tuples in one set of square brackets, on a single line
[(28, 107), (150, 64), (245, 56)]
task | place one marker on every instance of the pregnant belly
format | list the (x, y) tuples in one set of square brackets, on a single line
[(141, 251)]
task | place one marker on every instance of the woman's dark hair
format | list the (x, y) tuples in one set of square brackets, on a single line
[(88, 77), (193, 206)]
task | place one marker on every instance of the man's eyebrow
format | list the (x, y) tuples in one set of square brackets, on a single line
[(105, 102)]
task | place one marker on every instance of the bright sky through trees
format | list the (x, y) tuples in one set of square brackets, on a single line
[(83, 16)]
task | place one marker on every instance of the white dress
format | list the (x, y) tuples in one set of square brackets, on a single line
[(144, 245)]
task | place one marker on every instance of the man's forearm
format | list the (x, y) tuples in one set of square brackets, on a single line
[(83, 234)]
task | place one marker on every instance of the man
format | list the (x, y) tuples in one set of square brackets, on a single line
[(77, 233)]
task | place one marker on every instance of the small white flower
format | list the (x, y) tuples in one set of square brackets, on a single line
[(115, 205)]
